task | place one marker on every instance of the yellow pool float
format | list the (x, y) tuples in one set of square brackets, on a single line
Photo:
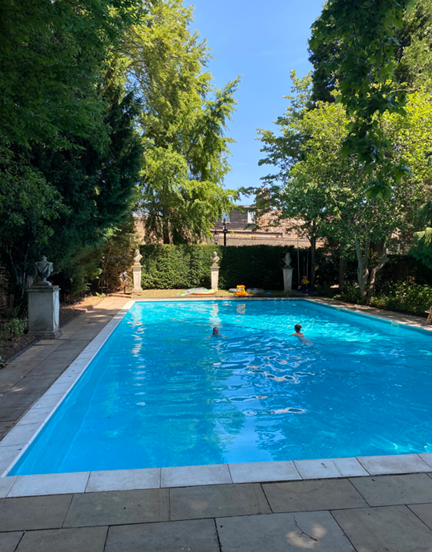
[(241, 291)]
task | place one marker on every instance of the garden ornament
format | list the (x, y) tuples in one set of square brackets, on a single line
[(215, 260), (44, 270), (287, 260)]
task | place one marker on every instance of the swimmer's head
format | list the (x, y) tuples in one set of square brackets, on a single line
[(215, 330), (297, 328)]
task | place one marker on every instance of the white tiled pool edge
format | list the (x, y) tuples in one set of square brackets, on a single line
[(11, 449), (19, 438)]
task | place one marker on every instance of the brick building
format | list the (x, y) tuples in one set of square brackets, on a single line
[(243, 230)]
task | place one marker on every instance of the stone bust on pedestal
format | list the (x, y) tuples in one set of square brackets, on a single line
[(287, 273), (137, 271), (214, 271)]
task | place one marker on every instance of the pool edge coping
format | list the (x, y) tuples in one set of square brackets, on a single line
[(183, 476)]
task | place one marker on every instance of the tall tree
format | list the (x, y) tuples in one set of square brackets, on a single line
[(57, 135), (324, 190), (183, 125), (364, 33)]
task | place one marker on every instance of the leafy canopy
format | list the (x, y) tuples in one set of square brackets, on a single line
[(363, 32)]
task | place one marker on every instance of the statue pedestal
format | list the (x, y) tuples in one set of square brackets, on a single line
[(214, 277), (44, 311), (287, 276), (137, 268)]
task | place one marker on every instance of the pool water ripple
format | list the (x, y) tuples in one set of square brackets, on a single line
[(161, 394)]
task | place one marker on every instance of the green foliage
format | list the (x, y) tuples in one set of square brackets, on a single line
[(183, 123), (422, 247), (365, 32), (415, 54), (187, 266), (52, 56), (323, 191), (400, 296), (12, 328), (69, 150)]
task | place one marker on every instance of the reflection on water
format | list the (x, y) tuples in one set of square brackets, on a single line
[(161, 394)]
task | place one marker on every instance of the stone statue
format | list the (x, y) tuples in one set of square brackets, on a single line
[(287, 260), (215, 260), (44, 270), (137, 257)]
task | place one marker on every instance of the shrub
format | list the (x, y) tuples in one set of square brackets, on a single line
[(187, 266)]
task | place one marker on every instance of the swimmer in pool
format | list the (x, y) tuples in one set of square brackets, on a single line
[(298, 333), (216, 333), (301, 335)]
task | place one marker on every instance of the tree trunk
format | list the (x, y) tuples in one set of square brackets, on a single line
[(165, 229), (313, 261), (375, 270), (342, 268), (362, 270)]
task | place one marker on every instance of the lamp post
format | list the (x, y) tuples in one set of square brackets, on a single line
[(225, 232)]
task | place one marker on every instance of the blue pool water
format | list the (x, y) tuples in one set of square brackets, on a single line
[(160, 394)]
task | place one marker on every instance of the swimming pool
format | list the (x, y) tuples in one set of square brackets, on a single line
[(160, 394)]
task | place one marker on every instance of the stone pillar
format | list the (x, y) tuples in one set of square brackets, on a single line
[(136, 269), (287, 276), (137, 278), (44, 311), (214, 277), (215, 271)]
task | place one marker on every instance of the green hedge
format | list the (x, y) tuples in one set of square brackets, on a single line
[(187, 266)]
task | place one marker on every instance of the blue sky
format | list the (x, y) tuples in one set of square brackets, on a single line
[(263, 42)]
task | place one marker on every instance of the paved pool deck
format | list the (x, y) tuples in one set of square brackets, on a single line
[(364, 505)]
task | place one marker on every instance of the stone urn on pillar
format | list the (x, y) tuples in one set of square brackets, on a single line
[(287, 273), (44, 304), (137, 269), (215, 271)]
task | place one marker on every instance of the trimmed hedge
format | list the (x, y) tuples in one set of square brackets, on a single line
[(188, 266)]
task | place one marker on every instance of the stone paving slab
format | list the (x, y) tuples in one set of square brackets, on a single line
[(217, 501), (50, 484), (20, 435), (334, 467), (315, 531), (118, 507), (195, 475), (124, 480), (74, 345), (9, 541), (176, 536), (385, 465), (263, 471), (11, 414), (386, 529), (390, 490), (304, 496), (6, 485), (23, 514), (424, 512), (87, 539), (427, 457), (5, 427), (7, 455)]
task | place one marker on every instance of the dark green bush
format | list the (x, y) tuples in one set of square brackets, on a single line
[(187, 266)]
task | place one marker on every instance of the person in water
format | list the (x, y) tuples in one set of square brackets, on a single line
[(298, 333), (216, 333)]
